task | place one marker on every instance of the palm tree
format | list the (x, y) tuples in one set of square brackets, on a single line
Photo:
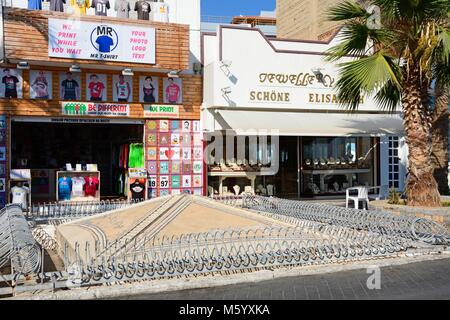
[(393, 59), (440, 127)]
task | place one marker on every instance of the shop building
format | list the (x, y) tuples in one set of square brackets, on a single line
[(271, 104), (93, 97)]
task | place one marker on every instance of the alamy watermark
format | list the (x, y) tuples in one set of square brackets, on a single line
[(374, 280), (374, 20)]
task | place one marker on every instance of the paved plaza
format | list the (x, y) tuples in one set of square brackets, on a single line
[(421, 280)]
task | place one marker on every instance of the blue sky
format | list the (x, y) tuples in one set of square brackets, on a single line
[(236, 7)]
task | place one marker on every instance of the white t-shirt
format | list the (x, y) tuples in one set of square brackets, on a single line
[(78, 187), (160, 11), (20, 196)]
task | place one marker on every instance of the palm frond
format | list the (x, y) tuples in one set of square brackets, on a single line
[(355, 38), (444, 43), (347, 10), (441, 71), (365, 76), (389, 9), (388, 98)]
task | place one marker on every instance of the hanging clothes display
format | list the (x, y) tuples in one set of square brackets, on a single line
[(136, 156), (123, 156), (122, 169)]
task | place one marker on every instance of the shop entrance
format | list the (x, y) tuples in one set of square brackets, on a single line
[(312, 167), (284, 183), (46, 148)]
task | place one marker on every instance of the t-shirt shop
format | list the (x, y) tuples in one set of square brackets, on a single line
[(81, 156), (95, 143), (95, 150)]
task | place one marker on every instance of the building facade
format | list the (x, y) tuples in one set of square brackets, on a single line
[(305, 19), (274, 124), (111, 101)]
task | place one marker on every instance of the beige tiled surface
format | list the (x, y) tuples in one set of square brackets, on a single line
[(111, 224), (197, 218)]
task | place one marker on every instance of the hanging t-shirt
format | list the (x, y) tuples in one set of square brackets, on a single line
[(137, 189), (20, 196), (123, 156), (96, 90), (90, 186), (35, 4), (123, 90), (70, 87), (160, 12), (149, 93), (143, 9), (101, 7), (78, 186), (64, 188), (10, 83), (172, 93), (136, 157), (123, 8), (79, 6), (57, 5)]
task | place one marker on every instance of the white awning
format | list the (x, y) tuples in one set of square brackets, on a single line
[(309, 124)]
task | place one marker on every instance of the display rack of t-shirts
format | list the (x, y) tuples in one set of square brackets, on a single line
[(77, 185)]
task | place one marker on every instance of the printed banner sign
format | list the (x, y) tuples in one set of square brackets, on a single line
[(137, 173), (161, 111), (95, 109), (74, 39)]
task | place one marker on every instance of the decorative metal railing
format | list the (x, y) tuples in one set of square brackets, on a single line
[(377, 222), (43, 212), (319, 234), (17, 245), (221, 250), (235, 201)]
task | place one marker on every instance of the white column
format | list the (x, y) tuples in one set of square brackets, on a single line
[(384, 161)]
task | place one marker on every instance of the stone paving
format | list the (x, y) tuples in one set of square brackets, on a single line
[(421, 280)]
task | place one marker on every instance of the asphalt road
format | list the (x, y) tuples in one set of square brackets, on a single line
[(421, 280)]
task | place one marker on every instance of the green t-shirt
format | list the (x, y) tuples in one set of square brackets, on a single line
[(136, 156)]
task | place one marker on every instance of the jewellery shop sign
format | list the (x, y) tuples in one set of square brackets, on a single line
[(75, 39), (95, 109), (296, 88)]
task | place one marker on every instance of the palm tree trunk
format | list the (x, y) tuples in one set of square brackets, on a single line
[(421, 187), (439, 154)]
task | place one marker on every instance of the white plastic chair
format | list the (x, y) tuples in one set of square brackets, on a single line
[(236, 189), (362, 195)]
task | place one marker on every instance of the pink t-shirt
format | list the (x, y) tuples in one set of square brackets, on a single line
[(172, 92)]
